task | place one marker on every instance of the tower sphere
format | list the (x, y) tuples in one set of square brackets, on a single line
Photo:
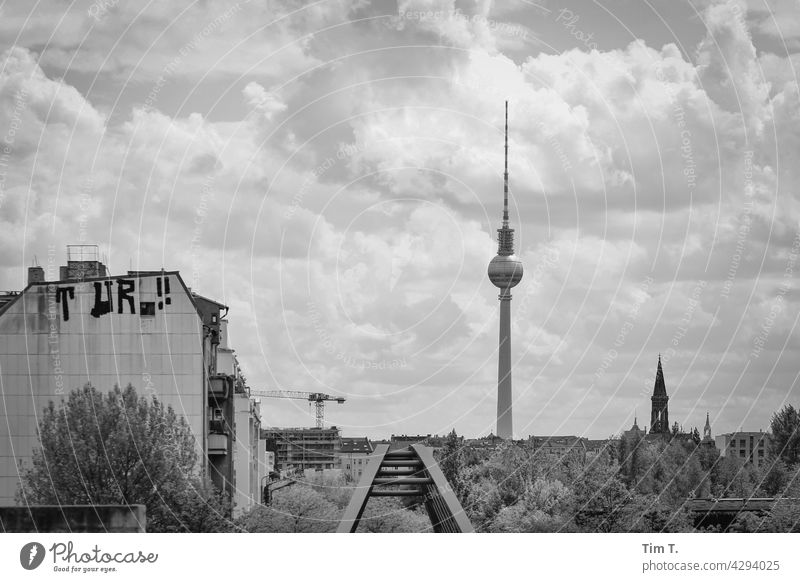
[(505, 271)]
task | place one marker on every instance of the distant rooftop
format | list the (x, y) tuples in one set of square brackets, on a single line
[(356, 445)]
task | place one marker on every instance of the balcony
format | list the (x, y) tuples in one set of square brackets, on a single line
[(217, 444), (219, 387)]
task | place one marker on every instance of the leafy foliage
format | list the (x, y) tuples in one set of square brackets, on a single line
[(294, 509), (119, 448), (785, 442), (641, 485), (452, 463), (387, 515)]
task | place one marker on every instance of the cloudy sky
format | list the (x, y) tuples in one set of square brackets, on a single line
[(332, 171)]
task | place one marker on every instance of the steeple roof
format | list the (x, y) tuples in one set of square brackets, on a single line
[(659, 389)]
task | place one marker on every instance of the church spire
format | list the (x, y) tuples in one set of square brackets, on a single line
[(659, 389), (659, 416)]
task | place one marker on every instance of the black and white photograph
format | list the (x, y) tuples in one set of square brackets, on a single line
[(275, 267)]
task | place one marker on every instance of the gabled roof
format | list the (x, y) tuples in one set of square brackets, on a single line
[(202, 298)]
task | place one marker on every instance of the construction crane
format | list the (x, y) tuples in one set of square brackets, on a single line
[(317, 398)]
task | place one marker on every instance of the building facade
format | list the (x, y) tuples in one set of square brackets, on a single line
[(556, 447), (144, 328), (751, 447), (300, 449), (354, 455)]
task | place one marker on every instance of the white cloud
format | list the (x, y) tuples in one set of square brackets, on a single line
[(265, 102)]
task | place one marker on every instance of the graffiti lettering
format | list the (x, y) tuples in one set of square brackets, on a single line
[(61, 297), (101, 307), (124, 288), (167, 300), (104, 298)]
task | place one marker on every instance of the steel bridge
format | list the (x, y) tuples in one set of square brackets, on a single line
[(723, 512), (409, 472)]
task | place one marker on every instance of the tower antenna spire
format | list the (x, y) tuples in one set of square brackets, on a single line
[(505, 234), (505, 176)]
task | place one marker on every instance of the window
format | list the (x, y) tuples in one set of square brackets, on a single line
[(742, 453), (147, 308)]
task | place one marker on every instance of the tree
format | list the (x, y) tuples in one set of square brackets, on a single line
[(748, 522), (295, 509), (733, 477), (629, 455), (482, 500), (785, 514), (776, 477), (119, 448), (785, 441), (652, 515), (451, 463), (601, 499), (696, 436), (334, 488), (194, 505), (385, 515), (543, 508)]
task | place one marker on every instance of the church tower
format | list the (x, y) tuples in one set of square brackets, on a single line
[(659, 416), (707, 438)]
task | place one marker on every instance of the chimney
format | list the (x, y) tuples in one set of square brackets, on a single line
[(35, 275)]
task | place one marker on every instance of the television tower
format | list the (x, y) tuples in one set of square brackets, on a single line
[(505, 272)]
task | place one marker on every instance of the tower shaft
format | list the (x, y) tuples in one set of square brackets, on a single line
[(505, 425)]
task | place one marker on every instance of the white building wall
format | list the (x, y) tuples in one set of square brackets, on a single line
[(225, 362), (747, 446), (353, 465), (242, 454), (263, 466), (46, 351)]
